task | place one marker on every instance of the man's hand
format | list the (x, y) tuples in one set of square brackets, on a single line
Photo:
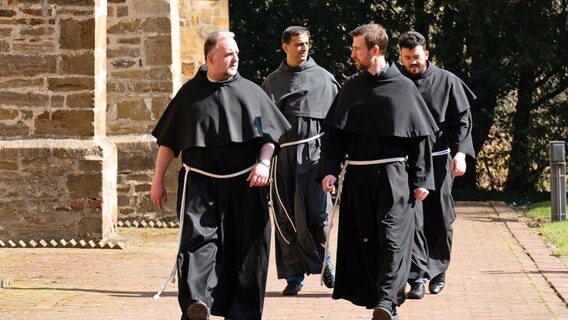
[(458, 164), (158, 194), (328, 183), (420, 193), (258, 177)]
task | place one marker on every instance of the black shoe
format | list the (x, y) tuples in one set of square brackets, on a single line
[(394, 314), (416, 291), (329, 276), (292, 289), (198, 311), (384, 312), (437, 283)]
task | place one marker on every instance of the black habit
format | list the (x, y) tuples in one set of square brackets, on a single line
[(219, 127), (378, 116), (448, 99), (304, 94)]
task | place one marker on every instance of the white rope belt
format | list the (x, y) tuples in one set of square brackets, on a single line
[(182, 210), (273, 179), (338, 196), (441, 152), (217, 176), (372, 162), (294, 143)]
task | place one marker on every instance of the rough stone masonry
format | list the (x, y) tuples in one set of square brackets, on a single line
[(82, 84)]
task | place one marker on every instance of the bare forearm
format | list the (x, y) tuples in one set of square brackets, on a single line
[(266, 151), (163, 160)]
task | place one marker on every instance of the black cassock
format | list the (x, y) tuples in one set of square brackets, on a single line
[(377, 117), (448, 99), (304, 94), (220, 128)]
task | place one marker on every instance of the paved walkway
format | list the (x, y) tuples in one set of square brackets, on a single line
[(500, 270)]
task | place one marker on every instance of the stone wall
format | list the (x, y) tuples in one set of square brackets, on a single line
[(82, 84), (152, 50)]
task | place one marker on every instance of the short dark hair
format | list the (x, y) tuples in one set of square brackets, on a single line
[(374, 34), (212, 38), (411, 40), (293, 31)]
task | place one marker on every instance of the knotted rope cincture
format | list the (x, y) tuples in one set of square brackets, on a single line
[(182, 213), (441, 152), (274, 184), (340, 179)]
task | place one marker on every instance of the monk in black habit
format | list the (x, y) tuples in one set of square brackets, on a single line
[(225, 128), (382, 125), (448, 99), (304, 92)]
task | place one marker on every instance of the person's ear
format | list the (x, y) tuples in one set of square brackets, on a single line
[(376, 50), (285, 48)]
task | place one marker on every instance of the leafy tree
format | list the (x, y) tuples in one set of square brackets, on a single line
[(541, 78), (502, 49)]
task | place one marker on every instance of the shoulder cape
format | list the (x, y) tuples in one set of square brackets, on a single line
[(304, 91), (443, 91), (386, 104), (205, 113)]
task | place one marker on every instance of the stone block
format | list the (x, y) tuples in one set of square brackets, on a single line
[(90, 228), (73, 2), (78, 63), (129, 40), (22, 83), (160, 25), (163, 87), (123, 63), (52, 193), (5, 32), (135, 110), (7, 13), (81, 100), (127, 52), (33, 47), (125, 26), (23, 99), (70, 83), (142, 8), (65, 123), (122, 11), (77, 34), (8, 114), (4, 46), (159, 105), (40, 31), (14, 65), (17, 129), (84, 186), (43, 12), (158, 50)]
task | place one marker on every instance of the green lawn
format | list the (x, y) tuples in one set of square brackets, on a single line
[(555, 233)]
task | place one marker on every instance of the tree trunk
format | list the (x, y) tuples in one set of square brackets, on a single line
[(519, 170)]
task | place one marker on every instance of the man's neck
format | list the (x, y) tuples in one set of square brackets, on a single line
[(216, 78), (377, 65), (294, 64)]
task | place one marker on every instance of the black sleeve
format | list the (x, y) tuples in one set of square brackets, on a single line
[(420, 163), (459, 131), (334, 151)]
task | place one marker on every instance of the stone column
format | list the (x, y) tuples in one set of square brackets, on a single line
[(57, 169), (152, 50), (82, 84)]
